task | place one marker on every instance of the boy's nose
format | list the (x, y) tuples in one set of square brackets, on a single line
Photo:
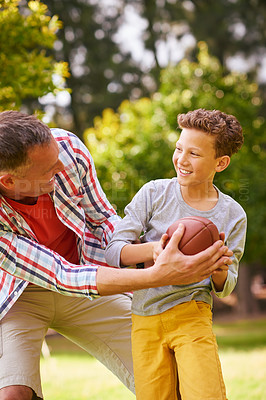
[(182, 159)]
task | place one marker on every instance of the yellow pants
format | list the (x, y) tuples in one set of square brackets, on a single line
[(177, 349)]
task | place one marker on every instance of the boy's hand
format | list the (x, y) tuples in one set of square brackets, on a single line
[(219, 276), (159, 246), (222, 237), (229, 253), (221, 270)]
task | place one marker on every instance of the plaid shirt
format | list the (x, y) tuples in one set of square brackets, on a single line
[(83, 207)]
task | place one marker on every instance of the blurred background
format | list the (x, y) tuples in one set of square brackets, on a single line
[(117, 73)]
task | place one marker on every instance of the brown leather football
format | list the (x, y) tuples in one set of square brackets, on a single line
[(200, 233)]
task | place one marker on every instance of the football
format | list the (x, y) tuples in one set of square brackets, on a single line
[(200, 233)]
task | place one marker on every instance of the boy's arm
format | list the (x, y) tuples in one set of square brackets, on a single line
[(224, 279), (136, 253), (120, 250), (132, 254), (219, 276)]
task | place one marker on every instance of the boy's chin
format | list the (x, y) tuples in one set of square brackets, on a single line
[(183, 181)]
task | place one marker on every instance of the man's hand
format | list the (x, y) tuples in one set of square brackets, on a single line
[(173, 267)]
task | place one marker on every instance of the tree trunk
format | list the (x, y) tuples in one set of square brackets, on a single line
[(247, 304)]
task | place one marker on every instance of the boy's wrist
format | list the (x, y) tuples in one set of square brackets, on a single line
[(219, 279)]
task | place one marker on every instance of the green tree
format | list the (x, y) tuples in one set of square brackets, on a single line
[(101, 75), (26, 69), (231, 28), (135, 144), (104, 70)]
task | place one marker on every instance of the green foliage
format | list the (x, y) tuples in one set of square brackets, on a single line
[(26, 69), (130, 148), (101, 75), (135, 144), (112, 60), (231, 28)]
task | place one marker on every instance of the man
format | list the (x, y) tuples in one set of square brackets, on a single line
[(55, 222)]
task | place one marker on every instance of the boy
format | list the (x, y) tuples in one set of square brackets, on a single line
[(172, 326)]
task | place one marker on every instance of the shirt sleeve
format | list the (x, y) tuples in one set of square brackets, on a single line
[(30, 261), (100, 214), (137, 214), (236, 243)]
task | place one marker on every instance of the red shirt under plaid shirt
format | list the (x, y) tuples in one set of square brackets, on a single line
[(83, 207)]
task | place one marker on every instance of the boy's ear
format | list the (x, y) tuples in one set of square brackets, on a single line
[(7, 181), (222, 163)]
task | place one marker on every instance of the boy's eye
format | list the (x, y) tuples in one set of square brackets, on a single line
[(195, 153)]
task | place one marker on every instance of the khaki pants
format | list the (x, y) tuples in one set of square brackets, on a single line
[(179, 342), (102, 327)]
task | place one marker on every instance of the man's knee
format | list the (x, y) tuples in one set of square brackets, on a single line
[(16, 392)]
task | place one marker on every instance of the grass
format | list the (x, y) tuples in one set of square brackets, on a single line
[(78, 377), (242, 349), (71, 374)]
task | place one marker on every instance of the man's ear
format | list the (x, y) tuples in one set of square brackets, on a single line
[(222, 163), (7, 181)]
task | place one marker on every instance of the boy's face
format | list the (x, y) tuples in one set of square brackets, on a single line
[(194, 159)]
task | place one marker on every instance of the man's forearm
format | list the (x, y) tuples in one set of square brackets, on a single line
[(34, 263), (113, 280)]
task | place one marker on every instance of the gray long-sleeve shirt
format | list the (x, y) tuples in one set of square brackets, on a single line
[(153, 209)]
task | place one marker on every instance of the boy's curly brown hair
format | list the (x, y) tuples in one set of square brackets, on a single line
[(225, 128)]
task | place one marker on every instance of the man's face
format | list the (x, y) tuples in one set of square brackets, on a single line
[(38, 178)]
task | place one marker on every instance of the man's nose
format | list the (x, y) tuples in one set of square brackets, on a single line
[(59, 167)]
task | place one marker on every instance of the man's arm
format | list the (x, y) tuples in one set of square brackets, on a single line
[(171, 268), (49, 270)]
